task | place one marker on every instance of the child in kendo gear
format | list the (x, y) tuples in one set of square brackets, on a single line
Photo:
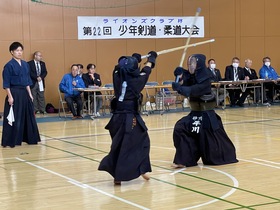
[(129, 155), (201, 133)]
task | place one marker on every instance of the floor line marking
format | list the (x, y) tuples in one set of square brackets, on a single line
[(266, 161), (263, 164), (82, 185), (178, 171), (161, 167), (235, 186)]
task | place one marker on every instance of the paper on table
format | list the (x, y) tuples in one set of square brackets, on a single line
[(11, 117), (41, 86)]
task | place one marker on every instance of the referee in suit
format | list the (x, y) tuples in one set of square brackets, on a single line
[(215, 76), (38, 72), (235, 73)]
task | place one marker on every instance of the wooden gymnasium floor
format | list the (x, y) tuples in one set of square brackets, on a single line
[(61, 172)]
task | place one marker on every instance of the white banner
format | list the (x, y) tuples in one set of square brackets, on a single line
[(102, 27)]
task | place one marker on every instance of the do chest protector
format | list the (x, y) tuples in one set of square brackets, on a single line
[(203, 103)]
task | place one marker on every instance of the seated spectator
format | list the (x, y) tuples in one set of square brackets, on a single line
[(67, 85), (80, 70), (268, 72), (252, 74), (236, 73), (93, 79), (215, 76)]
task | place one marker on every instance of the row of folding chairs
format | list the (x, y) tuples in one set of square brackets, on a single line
[(161, 98)]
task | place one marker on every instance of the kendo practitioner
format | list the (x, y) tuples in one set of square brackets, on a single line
[(200, 134), (129, 154), (19, 101)]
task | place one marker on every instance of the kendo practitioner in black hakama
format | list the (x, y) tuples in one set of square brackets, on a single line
[(200, 134), (129, 154), (16, 82)]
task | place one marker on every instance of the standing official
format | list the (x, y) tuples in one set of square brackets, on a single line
[(38, 72)]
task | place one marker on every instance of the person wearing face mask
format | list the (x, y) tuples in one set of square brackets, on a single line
[(269, 73), (235, 73), (251, 74), (200, 134), (215, 76)]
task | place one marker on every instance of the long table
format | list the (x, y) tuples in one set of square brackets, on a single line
[(94, 90), (157, 88), (242, 85)]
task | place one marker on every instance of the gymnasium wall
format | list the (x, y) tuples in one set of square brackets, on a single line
[(243, 28)]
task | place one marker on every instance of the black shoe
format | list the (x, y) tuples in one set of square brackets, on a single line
[(240, 104)]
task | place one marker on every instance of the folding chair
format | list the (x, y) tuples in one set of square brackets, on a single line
[(150, 98), (62, 102), (276, 96), (167, 82), (85, 108), (170, 95)]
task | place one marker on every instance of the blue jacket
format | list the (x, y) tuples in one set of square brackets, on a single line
[(66, 86), (268, 73)]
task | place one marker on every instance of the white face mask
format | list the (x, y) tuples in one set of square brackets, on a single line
[(235, 65), (267, 63), (212, 65)]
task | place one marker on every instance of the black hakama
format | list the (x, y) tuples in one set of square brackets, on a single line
[(201, 134), (129, 154), (24, 129)]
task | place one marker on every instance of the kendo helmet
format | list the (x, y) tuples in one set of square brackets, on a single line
[(129, 64), (196, 62)]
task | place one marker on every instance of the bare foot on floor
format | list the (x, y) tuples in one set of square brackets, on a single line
[(177, 165), (145, 176)]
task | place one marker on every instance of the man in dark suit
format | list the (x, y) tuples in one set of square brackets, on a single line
[(252, 74), (38, 72), (215, 76), (214, 72), (235, 73)]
